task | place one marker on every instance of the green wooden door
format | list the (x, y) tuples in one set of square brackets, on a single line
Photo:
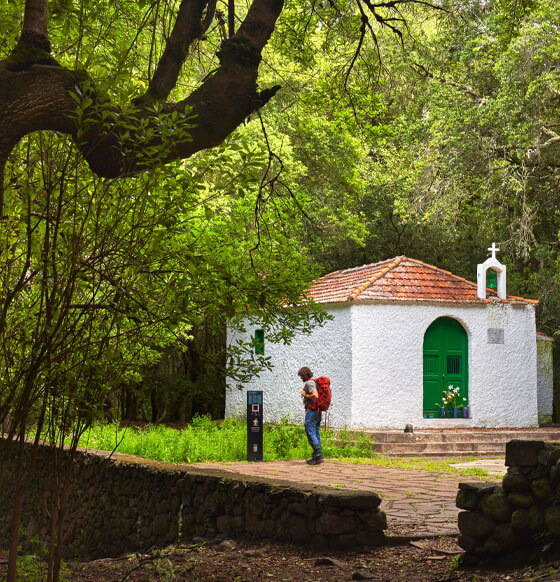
[(445, 356)]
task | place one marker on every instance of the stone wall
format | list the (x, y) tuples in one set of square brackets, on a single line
[(129, 504), (500, 517)]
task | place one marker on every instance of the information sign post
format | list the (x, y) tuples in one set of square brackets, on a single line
[(254, 425)]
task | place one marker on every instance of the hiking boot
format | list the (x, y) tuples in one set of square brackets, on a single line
[(310, 461), (316, 460)]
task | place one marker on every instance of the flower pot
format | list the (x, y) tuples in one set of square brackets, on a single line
[(442, 412), (466, 412), (455, 412)]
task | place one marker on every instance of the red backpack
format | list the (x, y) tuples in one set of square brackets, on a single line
[(324, 391)]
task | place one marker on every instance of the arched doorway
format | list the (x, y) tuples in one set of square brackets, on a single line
[(445, 356)]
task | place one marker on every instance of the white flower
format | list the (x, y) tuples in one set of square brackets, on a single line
[(464, 399)]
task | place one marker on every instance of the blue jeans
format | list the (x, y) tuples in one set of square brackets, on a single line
[(312, 430)]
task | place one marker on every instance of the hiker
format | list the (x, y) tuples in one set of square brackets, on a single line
[(310, 396)]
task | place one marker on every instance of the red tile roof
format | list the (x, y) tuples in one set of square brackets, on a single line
[(400, 279)]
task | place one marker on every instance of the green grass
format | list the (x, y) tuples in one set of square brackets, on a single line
[(424, 464), (208, 441)]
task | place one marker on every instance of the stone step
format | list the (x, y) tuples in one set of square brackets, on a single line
[(457, 436), (464, 449), (451, 443)]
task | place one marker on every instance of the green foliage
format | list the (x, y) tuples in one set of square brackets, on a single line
[(207, 440)]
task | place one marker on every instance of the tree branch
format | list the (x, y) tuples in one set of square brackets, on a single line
[(192, 22), (43, 97), (33, 46)]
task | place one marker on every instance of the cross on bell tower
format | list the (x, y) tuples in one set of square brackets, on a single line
[(491, 263), (494, 249)]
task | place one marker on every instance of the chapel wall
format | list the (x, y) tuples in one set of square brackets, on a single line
[(387, 367), (545, 376), (327, 351)]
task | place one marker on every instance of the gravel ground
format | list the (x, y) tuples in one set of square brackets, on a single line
[(226, 560)]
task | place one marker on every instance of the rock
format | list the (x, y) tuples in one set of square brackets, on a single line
[(475, 524), (515, 481), (298, 528), (226, 546), (326, 561), (520, 499), (375, 520), (333, 524), (353, 499), (552, 519), (554, 456), (536, 518), (490, 546), (466, 499), (224, 524), (544, 458), (496, 507), (505, 536), (520, 518), (363, 574), (522, 453), (266, 528), (469, 543), (540, 471), (252, 554), (478, 488), (542, 488), (160, 525), (408, 428)]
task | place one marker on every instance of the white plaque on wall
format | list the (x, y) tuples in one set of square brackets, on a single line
[(495, 335)]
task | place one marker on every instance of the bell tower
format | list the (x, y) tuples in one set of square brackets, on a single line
[(500, 270)]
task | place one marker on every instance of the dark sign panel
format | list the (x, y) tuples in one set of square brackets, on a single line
[(254, 425)]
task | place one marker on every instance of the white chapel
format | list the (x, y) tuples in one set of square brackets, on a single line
[(402, 332)]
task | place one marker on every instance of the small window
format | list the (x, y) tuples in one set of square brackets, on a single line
[(453, 364), (491, 279), (259, 342)]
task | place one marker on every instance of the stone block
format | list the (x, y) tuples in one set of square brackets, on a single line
[(514, 481), (520, 518), (521, 499), (521, 453), (490, 546), (542, 489), (536, 518), (505, 536), (224, 524), (298, 529), (552, 519), (475, 524), (544, 457), (160, 524), (496, 507), (266, 528), (335, 524), (554, 456), (469, 543), (358, 500), (478, 488), (374, 520), (466, 499)]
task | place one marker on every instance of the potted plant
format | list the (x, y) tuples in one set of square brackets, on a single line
[(442, 408), (451, 396)]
